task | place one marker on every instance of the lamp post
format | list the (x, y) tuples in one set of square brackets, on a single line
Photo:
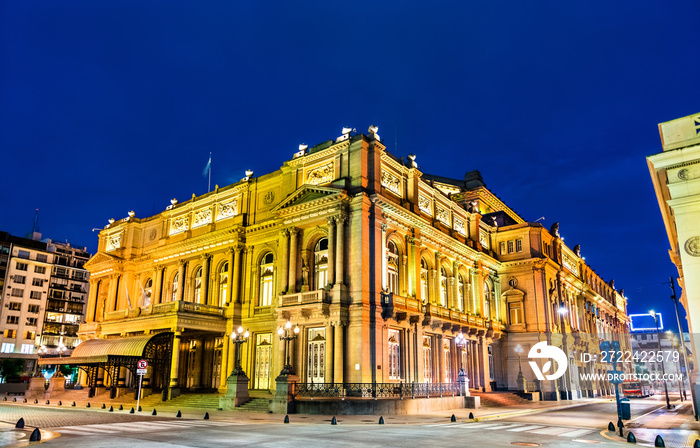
[(674, 341), (460, 342), (286, 334), (521, 379), (563, 311), (685, 350), (658, 344), (238, 338)]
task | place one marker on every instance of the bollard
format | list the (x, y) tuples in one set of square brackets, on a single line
[(206, 416), (381, 420), (334, 421), (659, 442), (154, 412), (47, 402), (121, 408), (73, 404), (131, 411), (88, 405), (36, 435), (60, 403), (4, 399), (103, 406), (471, 416), (453, 418), (14, 400), (25, 400), (697, 443), (139, 409), (36, 401), (179, 414), (611, 427), (286, 418), (111, 409), (631, 438), (20, 423)]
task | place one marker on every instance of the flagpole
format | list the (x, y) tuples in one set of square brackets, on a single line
[(209, 187)]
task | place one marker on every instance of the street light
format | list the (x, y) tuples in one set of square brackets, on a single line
[(286, 335), (685, 349), (674, 341), (460, 342), (521, 379), (61, 349), (238, 338), (663, 369)]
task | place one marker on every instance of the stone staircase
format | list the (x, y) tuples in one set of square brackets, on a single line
[(261, 405), (500, 399), (198, 401)]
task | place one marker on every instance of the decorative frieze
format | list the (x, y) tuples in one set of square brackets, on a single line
[(180, 224), (424, 204), (227, 210), (459, 226), (114, 242), (320, 175), (391, 183), (570, 264), (484, 239), (201, 218), (442, 215)]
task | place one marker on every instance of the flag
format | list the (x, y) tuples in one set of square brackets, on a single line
[(145, 300), (207, 168), (128, 299)]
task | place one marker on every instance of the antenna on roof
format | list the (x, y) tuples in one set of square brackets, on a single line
[(35, 227)]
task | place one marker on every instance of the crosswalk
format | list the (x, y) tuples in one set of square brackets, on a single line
[(519, 427), (142, 426)]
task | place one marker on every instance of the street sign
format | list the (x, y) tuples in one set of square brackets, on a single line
[(140, 371), (142, 364)]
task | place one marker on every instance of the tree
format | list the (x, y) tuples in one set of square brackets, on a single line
[(10, 368)]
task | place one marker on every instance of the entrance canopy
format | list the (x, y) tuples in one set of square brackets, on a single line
[(109, 351)]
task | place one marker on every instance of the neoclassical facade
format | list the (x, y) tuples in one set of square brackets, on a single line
[(379, 265)]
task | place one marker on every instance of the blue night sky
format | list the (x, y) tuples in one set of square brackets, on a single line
[(107, 107)]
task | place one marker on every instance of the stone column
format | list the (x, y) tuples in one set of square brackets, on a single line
[(384, 260), (450, 291), (156, 292), (432, 291), (206, 261), (484, 366), (224, 361), (339, 362), (174, 387), (440, 358), (329, 359), (293, 260), (284, 261), (339, 251), (180, 280), (412, 271), (456, 304), (331, 250), (407, 355), (111, 293), (438, 279), (420, 364)]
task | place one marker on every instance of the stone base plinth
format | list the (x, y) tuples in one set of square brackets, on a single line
[(236, 392)]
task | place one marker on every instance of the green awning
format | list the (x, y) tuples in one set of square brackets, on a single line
[(94, 351)]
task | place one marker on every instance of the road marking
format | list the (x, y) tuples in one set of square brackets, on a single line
[(141, 426), (525, 428), (576, 433), (550, 430)]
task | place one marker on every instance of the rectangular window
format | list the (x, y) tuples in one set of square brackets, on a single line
[(16, 292), (21, 279), (502, 245), (516, 313), (22, 266), (12, 319), (7, 348), (42, 258), (34, 309), (394, 355), (11, 334), (27, 349), (40, 269), (519, 245), (35, 295), (23, 254), (510, 247), (37, 282), (30, 335), (31, 321), (15, 306), (60, 272)]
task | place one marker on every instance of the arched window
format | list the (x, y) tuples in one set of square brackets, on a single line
[(460, 293), (267, 280), (392, 266), (443, 287), (223, 284), (147, 292), (197, 290), (487, 301), (424, 280), (321, 263), (176, 281)]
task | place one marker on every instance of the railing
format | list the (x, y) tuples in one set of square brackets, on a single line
[(305, 298), (165, 308), (375, 390)]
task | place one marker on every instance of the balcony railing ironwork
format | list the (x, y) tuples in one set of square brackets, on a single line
[(305, 298), (166, 308)]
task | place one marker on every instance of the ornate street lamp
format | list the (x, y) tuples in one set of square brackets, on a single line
[(285, 333), (238, 338), (520, 381), (663, 369), (461, 342)]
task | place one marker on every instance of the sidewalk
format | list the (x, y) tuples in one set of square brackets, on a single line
[(677, 427)]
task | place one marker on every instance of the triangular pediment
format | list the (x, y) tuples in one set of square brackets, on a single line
[(309, 195), (101, 257)]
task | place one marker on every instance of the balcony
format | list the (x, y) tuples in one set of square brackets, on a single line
[(414, 306), (177, 306), (304, 298)]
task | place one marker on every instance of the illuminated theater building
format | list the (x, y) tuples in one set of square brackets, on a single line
[(379, 265)]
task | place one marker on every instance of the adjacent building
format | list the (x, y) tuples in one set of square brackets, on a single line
[(379, 265), (43, 297)]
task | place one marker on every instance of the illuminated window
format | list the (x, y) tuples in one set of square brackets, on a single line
[(197, 293), (515, 311), (147, 292), (443, 287), (487, 302), (267, 280), (424, 280), (10, 334), (15, 306), (460, 292), (223, 283), (27, 349), (392, 255), (394, 355), (7, 348), (176, 280), (427, 360), (321, 263)]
